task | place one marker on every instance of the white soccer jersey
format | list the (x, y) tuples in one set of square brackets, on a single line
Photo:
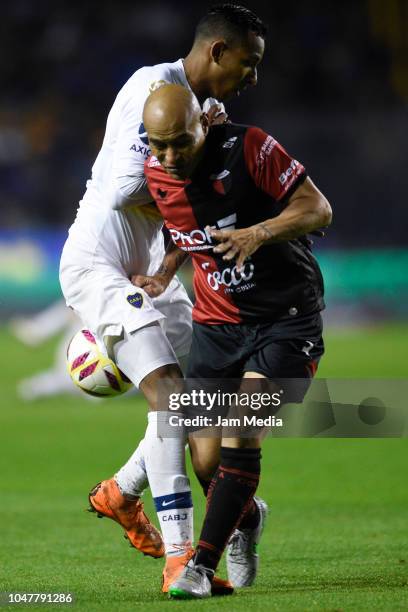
[(115, 224)]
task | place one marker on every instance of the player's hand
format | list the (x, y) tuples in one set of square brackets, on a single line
[(217, 115), (236, 244), (152, 285)]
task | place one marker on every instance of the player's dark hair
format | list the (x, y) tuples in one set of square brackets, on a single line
[(229, 21)]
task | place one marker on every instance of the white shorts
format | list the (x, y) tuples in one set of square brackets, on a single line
[(112, 308)]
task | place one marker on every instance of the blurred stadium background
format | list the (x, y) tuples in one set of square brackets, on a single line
[(333, 88)]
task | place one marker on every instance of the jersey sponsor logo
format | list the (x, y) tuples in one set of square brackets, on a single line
[(156, 84), (266, 149), (135, 300), (145, 151), (290, 172), (201, 240), (230, 277), (227, 222), (143, 134), (197, 240), (228, 144)]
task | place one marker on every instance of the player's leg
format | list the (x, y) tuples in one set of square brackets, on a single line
[(164, 457), (230, 495), (112, 307), (208, 345), (147, 358), (242, 556), (214, 355), (139, 355), (241, 551), (288, 352), (176, 306)]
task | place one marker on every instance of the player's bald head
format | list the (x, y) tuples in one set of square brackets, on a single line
[(176, 128), (170, 108)]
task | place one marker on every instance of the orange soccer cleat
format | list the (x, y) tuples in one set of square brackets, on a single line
[(106, 500), (175, 565)]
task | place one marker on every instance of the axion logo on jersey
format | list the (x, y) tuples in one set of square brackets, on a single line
[(229, 277), (289, 172), (221, 181), (145, 151), (143, 134), (201, 240), (143, 148)]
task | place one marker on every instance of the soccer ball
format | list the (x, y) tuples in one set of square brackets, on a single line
[(91, 370)]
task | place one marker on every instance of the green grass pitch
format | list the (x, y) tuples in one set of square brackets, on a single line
[(337, 535)]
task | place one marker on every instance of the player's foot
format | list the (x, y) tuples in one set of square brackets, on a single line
[(106, 500), (242, 556), (194, 582), (176, 564)]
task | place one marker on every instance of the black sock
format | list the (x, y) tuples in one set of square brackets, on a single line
[(229, 496), (250, 520)]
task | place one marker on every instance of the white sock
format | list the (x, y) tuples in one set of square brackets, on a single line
[(166, 470), (132, 478)]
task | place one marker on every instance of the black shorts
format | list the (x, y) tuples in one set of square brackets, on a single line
[(286, 349), (286, 353)]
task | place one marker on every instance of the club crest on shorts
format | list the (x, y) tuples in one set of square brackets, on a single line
[(135, 300)]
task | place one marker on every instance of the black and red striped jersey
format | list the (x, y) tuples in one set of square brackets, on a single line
[(244, 177)]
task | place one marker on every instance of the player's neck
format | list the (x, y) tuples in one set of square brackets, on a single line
[(194, 69)]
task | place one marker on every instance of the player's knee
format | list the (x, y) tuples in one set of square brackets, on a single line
[(242, 443), (205, 467), (159, 384)]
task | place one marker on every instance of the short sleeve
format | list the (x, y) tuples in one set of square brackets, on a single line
[(271, 167)]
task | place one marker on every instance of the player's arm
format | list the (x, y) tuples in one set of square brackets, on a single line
[(155, 285), (307, 210), (128, 185), (284, 179)]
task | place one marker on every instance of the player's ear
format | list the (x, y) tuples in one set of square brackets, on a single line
[(205, 124), (217, 50)]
